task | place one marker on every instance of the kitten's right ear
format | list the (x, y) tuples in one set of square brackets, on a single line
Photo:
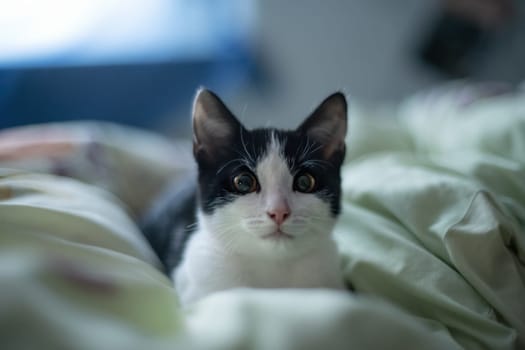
[(214, 126), (327, 124)]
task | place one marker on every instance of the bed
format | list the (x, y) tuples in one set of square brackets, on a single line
[(432, 237)]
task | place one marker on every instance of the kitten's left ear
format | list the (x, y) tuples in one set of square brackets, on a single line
[(327, 124)]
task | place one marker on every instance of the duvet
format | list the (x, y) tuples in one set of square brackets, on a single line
[(432, 237)]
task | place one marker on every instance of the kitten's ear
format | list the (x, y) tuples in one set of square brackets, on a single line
[(327, 124), (214, 126)]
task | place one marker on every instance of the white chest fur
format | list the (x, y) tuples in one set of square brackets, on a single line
[(208, 266)]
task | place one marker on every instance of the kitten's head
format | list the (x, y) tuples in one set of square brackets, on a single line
[(267, 191)]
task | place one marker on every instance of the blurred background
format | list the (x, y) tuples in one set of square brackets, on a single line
[(139, 62)]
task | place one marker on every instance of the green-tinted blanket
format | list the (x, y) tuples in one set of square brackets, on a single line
[(432, 237)]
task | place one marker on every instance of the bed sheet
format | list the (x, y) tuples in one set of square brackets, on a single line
[(432, 237)]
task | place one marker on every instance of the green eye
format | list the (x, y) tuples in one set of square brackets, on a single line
[(245, 183), (304, 182)]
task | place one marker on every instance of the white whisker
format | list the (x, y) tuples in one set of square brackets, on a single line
[(250, 157), (237, 160)]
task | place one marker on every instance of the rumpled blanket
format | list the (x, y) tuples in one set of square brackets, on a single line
[(432, 237)]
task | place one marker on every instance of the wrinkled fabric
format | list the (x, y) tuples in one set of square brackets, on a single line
[(432, 238)]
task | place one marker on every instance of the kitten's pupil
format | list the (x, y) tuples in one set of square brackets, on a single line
[(304, 183), (244, 183)]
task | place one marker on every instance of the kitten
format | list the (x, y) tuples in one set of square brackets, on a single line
[(265, 203)]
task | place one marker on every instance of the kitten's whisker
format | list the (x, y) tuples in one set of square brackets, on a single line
[(250, 157), (304, 149), (316, 163), (310, 151), (241, 161), (191, 226), (225, 165)]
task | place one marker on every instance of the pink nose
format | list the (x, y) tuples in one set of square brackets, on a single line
[(279, 215)]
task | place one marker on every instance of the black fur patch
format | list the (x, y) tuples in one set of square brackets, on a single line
[(301, 153), (170, 222)]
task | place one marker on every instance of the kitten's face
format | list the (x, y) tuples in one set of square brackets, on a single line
[(266, 191)]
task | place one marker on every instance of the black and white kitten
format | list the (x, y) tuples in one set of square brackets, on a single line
[(265, 204)]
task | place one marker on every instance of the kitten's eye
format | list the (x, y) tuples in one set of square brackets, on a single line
[(304, 182), (245, 183)]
